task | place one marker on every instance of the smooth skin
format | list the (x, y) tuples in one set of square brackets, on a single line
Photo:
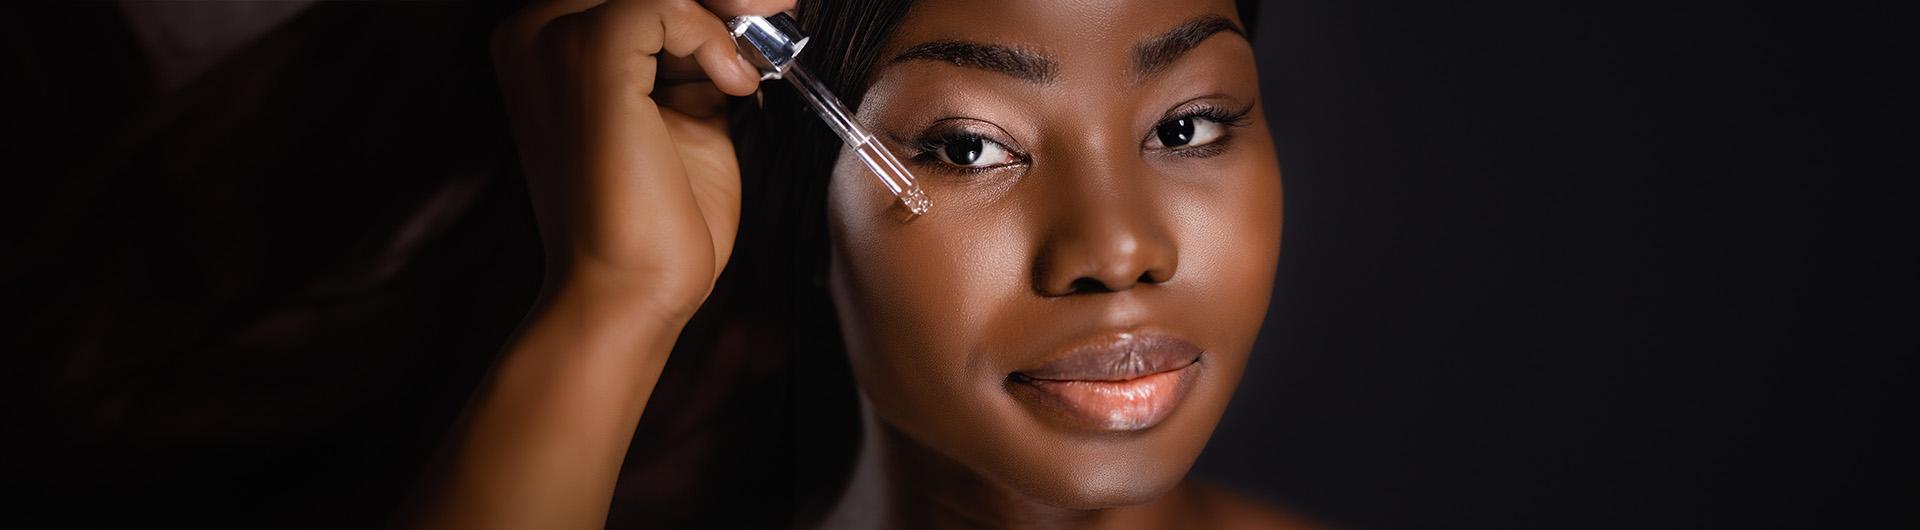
[(1096, 226)]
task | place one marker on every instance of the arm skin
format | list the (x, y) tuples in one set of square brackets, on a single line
[(546, 437), (637, 194)]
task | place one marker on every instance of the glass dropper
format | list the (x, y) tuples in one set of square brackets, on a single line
[(772, 45)]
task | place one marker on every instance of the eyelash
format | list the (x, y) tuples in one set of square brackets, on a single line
[(1230, 120), (927, 147)]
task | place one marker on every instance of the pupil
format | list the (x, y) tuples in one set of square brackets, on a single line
[(1176, 133), (965, 151)]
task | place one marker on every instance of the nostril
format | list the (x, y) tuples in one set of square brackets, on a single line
[(1088, 285)]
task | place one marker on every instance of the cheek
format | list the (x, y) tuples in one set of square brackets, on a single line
[(1227, 220), (915, 297), (1231, 237)]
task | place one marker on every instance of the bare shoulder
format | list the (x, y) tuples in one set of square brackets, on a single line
[(1235, 511)]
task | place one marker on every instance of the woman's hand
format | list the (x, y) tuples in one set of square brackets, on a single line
[(618, 111)]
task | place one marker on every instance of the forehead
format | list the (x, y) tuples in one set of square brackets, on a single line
[(1082, 34)]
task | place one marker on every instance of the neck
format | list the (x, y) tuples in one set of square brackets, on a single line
[(899, 483)]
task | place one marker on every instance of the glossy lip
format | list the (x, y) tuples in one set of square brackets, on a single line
[(1127, 381)]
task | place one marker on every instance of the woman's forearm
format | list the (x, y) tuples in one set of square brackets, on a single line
[(637, 195), (544, 440)]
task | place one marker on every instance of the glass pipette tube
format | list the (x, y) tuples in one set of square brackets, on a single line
[(772, 44), (878, 158)]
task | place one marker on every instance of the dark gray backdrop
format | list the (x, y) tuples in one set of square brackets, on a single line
[(1578, 265)]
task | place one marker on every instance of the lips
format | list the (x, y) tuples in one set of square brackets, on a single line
[(1127, 381)]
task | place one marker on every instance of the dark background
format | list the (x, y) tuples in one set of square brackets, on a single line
[(1582, 265), (1546, 266)]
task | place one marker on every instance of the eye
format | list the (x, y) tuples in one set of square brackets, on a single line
[(1186, 131), (973, 152)]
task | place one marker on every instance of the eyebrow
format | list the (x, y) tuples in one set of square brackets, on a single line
[(1023, 64), (1149, 56), (1155, 54)]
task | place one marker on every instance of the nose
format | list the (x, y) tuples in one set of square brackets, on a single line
[(1103, 236)]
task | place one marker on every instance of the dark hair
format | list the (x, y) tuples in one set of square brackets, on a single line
[(775, 286)]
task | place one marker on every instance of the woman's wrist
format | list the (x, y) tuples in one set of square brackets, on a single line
[(594, 327), (556, 416), (623, 296)]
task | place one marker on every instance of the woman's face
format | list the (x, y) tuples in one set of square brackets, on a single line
[(1071, 317)]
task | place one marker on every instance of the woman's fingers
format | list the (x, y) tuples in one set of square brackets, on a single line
[(624, 152), (728, 9), (693, 69), (639, 33), (679, 29), (641, 212)]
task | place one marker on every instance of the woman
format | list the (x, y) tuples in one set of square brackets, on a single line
[(1050, 346)]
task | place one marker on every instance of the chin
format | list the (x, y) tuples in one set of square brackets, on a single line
[(1086, 472), (1116, 486)]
